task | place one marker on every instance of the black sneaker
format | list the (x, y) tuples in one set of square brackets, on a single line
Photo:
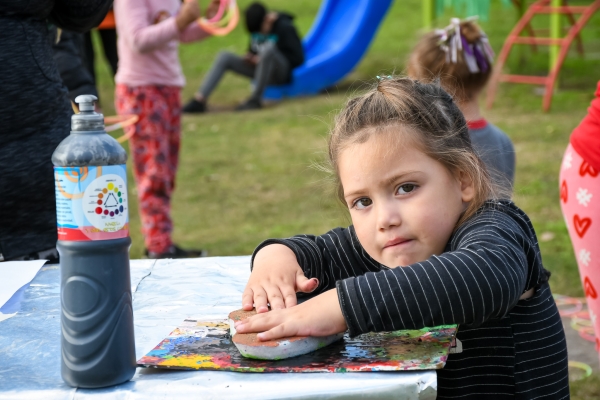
[(176, 252), (194, 107), (250, 104)]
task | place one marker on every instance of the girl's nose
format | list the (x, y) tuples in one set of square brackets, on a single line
[(388, 215)]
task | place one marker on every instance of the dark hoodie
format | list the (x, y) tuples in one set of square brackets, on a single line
[(286, 37)]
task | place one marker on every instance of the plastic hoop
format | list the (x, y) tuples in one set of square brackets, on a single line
[(219, 13), (564, 300), (583, 366), (215, 28), (119, 122), (588, 334), (580, 317)]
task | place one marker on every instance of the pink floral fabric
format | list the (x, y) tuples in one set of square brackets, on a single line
[(155, 150)]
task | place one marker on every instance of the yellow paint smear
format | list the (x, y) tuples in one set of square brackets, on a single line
[(191, 361)]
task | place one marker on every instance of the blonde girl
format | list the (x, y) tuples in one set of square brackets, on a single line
[(432, 243), (461, 58)]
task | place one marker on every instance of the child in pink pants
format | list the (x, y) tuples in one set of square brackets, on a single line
[(149, 82), (580, 202)]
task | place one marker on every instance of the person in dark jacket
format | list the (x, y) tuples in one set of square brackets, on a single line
[(70, 59), (275, 50), (34, 118)]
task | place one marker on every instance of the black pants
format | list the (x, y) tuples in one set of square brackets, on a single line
[(109, 45)]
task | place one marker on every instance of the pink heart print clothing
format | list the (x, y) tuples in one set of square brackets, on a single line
[(580, 202)]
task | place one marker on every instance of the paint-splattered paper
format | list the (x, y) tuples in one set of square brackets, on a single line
[(208, 346)]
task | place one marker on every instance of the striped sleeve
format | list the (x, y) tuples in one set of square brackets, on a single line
[(482, 277), (330, 257)]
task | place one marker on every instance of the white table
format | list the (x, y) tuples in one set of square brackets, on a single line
[(165, 292)]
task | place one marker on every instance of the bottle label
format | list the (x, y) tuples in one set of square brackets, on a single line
[(91, 202)]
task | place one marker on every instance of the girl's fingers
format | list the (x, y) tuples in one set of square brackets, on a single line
[(248, 299), (306, 285), (256, 323), (289, 297), (260, 300), (277, 332), (275, 298)]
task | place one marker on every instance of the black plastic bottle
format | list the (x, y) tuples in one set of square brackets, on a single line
[(97, 341)]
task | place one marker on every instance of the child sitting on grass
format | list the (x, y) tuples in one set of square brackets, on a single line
[(149, 82), (433, 242), (460, 56)]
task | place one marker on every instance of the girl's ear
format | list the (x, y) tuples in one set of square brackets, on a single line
[(467, 187)]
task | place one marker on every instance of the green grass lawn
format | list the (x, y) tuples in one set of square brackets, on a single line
[(247, 177)]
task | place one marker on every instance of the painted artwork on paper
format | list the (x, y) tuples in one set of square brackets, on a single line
[(207, 345)]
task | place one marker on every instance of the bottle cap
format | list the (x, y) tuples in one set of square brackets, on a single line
[(87, 119)]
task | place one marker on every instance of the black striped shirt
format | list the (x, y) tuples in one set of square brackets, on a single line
[(511, 348)]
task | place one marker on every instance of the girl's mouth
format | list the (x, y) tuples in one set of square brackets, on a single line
[(396, 242)]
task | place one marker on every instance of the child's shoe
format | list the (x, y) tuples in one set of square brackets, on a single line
[(194, 107), (176, 252), (250, 104)]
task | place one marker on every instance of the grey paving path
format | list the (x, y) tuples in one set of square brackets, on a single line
[(580, 349)]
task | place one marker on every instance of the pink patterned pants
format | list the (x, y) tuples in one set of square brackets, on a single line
[(580, 202), (155, 149)]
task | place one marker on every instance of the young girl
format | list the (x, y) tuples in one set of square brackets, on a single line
[(431, 244), (461, 58), (149, 82)]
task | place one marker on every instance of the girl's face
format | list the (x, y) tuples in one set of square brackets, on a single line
[(404, 204)]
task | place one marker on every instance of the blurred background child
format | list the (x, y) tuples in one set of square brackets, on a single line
[(580, 202), (460, 56), (149, 82), (275, 50)]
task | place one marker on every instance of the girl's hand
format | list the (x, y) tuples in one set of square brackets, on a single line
[(275, 279), (188, 13), (319, 316), (212, 8)]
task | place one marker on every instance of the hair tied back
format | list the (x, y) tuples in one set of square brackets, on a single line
[(478, 53)]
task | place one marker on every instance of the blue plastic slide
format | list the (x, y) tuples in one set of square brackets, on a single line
[(334, 45)]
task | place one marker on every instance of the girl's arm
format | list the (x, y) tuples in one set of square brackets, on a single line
[(330, 257), (141, 32), (493, 259), (193, 33), (481, 278)]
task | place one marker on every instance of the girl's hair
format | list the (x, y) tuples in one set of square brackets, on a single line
[(459, 55), (423, 113)]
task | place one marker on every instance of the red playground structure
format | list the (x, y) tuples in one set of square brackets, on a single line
[(559, 45)]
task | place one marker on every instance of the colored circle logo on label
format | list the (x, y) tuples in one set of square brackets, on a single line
[(105, 203)]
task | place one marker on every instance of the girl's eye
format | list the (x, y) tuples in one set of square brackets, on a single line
[(362, 203), (406, 188)]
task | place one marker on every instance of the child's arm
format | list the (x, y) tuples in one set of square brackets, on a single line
[(319, 316), (481, 278), (145, 35), (194, 32), (303, 263), (275, 279), (330, 257)]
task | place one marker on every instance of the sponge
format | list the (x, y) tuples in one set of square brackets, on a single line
[(250, 347)]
